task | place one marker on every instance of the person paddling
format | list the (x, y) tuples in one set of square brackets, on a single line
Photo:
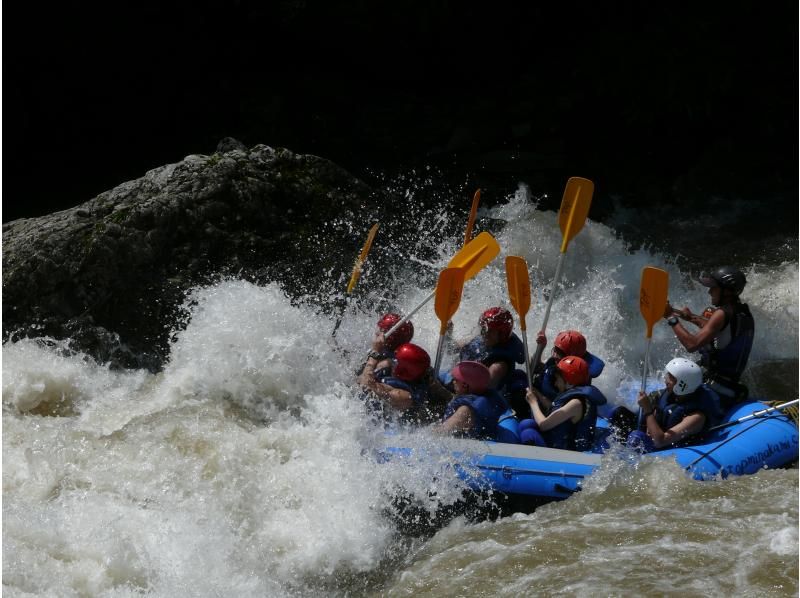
[(496, 347), (725, 333), (403, 385), (684, 409), (499, 349), (383, 348), (475, 408), (404, 334), (568, 421)]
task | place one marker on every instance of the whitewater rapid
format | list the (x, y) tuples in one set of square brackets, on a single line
[(244, 468)]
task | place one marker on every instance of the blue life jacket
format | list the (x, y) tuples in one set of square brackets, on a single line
[(726, 364), (381, 372), (508, 428), (381, 410), (580, 436), (486, 411), (545, 381), (385, 372), (595, 364), (510, 352), (419, 392), (669, 411)]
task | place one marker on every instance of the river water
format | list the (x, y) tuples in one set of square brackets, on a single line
[(245, 467)]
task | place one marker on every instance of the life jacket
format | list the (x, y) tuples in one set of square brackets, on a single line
[(508, 428), (510, 352), (670, 412), (726, 356), (576, 436), (595, 364), (388, 354), (385, 372), (545, 381), (486, 410), (378, 407), (419, 392)]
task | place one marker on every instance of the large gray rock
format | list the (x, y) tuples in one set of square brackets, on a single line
[(111, 273)]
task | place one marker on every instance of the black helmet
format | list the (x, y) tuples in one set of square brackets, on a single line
[(726, 277)]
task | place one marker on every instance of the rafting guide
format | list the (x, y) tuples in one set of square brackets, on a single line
[(725, 333)]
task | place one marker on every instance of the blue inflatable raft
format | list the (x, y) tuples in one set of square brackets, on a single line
[(765, 441)]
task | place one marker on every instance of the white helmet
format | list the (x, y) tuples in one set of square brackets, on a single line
[(688, 375)]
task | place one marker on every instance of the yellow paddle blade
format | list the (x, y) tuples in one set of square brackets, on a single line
[(472, 213), (519, 286), (574, 208), (475, 255), (448, 295), (362, 256), (653, 295)]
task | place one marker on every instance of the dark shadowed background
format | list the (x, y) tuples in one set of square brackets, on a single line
[(656, 102)]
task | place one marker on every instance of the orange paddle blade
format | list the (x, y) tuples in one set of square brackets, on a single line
[(475, 255), (362, 256), (574, 208), (448, 295), (519, 286), (653, 296), (472, 213)]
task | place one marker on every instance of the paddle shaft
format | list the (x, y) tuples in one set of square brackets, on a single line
[(644, 379), (439, 351), (407, 317), (527, 358), (448, 297), (556, 278), (356, 274), (646, 360), (472, 213), (754, 415), (519, 291), (652, 301), (571, 218)]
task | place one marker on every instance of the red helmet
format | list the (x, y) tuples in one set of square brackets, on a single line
[(497, 318), (571, 342), (404, 334), (474, 374), (412, 362), (574, 370)]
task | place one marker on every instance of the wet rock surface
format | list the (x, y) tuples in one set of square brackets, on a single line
[(112, 273)]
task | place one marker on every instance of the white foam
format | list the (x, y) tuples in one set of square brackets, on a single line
[(246, 467)]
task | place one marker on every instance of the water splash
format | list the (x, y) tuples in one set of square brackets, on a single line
[(247, 466)]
